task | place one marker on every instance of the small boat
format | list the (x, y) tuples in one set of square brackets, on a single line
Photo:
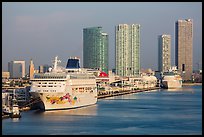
[(15, 112)]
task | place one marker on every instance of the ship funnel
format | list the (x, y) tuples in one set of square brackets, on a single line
[(73, 63)]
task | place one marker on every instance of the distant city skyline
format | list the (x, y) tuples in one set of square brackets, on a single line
[(42, 30)]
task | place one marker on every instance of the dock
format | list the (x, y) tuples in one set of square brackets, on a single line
[(5, 116), (24, 108), (123, 92)]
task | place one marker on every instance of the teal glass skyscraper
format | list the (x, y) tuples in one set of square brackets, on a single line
[(95, 48), (127, 58)]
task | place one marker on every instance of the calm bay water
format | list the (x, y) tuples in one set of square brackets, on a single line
[(156, 112)]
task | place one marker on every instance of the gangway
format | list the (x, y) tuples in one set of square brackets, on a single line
[(31, 102)]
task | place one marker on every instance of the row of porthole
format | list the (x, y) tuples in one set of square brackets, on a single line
[(83, 91), (47, 90), (86, 88), (48, 86)]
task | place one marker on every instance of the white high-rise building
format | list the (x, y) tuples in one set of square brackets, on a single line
[(127, 49), (164, 56)]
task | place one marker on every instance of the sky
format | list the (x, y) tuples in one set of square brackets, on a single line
[(42, 30)]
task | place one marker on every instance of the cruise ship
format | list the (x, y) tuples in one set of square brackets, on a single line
[(64, 88), (171, 79)]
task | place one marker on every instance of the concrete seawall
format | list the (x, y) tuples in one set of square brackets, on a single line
[(192, 84)]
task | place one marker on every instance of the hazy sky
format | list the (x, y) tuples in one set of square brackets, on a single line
[(42, 30)]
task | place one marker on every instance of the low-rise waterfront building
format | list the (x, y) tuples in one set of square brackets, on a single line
[(22, 93), (197, 76), (6, 99), (146, 81), (5, 75)]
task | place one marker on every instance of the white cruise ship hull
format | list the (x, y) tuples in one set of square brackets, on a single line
[(63, 100), (172, 84)]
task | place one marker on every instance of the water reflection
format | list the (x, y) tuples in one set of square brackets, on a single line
[(184, 89), (82, 111), (122, 97), (174, 89), (162, 112), (15, 119)]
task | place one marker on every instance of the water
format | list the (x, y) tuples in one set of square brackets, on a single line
[(166, 112)]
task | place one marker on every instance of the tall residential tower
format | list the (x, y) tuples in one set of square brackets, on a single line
[(184, 48), (127, 38), (95, 48), (164, 56)]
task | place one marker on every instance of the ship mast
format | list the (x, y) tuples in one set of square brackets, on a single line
[(55, 63), (14, 96)]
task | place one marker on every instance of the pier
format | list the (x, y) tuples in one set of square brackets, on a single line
[(105, 94)]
